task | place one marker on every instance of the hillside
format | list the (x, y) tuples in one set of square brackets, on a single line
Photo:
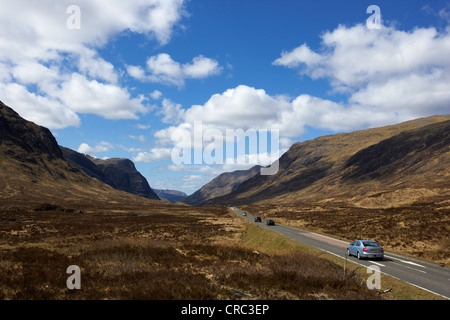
[(121, 174), (221, 185), (33, 169), (392, 165), (171, 195)]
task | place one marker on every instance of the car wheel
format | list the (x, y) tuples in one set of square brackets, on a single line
[(359, 256), (348, 253)]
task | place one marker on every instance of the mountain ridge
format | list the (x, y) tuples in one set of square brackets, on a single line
[(312, 170), (221, 185), (173, 196), (119, 173), (33, 169)]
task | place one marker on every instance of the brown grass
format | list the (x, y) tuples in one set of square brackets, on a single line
[(171, 252)]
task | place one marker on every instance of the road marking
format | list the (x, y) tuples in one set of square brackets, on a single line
[(377, 263), (413, 263), (408, 267)]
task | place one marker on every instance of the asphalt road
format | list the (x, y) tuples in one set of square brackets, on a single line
[(428, 276)]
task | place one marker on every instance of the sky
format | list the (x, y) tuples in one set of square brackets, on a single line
[(166, 83)]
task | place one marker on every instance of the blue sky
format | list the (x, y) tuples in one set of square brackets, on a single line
[(126, 76)]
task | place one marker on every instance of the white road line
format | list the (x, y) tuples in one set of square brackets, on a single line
[(377, 263), (408, 267), (413, 263)]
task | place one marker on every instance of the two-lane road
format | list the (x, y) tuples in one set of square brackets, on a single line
[(428, 276)]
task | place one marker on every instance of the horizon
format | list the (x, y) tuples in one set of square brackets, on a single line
[(120, 86)]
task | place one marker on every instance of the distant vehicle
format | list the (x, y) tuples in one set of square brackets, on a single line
[(270, 222), (244, 214), (365, 249), (258, 219)]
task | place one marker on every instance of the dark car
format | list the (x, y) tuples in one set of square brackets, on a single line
[(258, 219), (270, 222)]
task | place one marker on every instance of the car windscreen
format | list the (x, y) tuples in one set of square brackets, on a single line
[(370, 244)]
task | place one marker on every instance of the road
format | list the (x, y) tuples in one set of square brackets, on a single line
[(425, 275)]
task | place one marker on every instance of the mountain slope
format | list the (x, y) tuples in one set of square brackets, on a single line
[(327, 168), (221, 185), (171, 195), (124, 176), (20, 138), (33, 169), (121, 174), (84, 163)]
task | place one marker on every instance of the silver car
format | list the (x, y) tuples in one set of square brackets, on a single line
[(365, 249)]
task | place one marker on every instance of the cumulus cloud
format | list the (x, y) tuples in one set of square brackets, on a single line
[(247, 108), (201, 67), (34, 29), (101, 147), (241, 107), (383, 71), (155, 155), (37, 108), (156, 94), (163, 69), (136, 72), (36, 48), (90, 63), (91, 96), (172, 112)]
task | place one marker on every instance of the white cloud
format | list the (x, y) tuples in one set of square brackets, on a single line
[(249, 109), (242, 107), (143, 126), (101, 147), (163, 69), (91, 64), (384, 71), (37, 108), (156, 94), (298, 56), (37, 48), (172, 112), (155, 155), (37, 29), (106, 100), (32, 72), (201, 67), (136, 72), (140, 138), (192, 182)]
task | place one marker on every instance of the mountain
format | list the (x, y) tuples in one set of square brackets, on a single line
[(221, 185), (25, 141), (401, 163), (33, 169), (121, 174), (85, 163), (171, 195), (124, 176)]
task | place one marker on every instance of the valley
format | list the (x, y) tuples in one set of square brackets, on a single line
[(60, 208)]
